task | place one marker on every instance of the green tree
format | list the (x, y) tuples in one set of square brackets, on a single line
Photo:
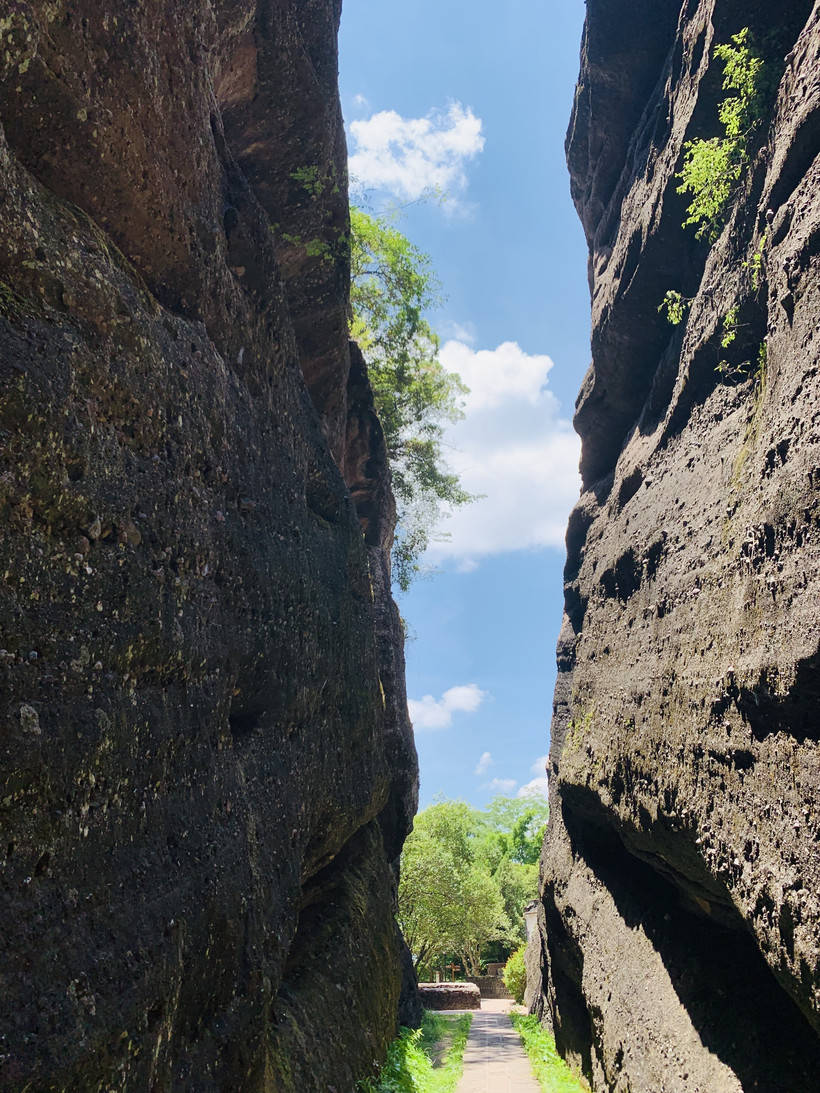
[(435, 880), (513, 833), (481, 917), (465, 877), (518, 824), (518, 884), (392, 287), (429, 893)]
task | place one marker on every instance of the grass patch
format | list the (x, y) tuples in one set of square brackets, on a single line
[(553, 1074), (424, 1060)]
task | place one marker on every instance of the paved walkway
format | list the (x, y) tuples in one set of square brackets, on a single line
[(494, 1059)]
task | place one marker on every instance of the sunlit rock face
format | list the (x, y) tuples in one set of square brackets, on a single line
[(207, 769), (680, 940)]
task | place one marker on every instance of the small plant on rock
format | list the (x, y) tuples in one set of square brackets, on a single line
[(713, 168), (760, 373), (757, 263), (309, 179), (737, 373), (580, 726), (675, 307), (730, 325)]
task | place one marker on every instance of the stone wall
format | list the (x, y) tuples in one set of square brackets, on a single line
[(491, 986)]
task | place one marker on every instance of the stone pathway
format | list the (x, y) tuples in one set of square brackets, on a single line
[(494, 1059)]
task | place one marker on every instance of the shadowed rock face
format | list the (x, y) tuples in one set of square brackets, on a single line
[(207, 767), (680, 943)]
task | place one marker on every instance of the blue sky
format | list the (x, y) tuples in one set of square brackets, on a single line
[(476, 100)]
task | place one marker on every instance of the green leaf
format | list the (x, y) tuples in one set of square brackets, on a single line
[(713, 168)]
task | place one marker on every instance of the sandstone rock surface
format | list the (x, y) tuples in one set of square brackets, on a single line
[(206, 768), (680, 945)]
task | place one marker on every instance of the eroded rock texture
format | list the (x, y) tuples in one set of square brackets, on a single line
[(681, 930), (207, 769)]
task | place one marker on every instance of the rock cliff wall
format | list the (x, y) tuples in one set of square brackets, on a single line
[(680, 934), (207, 769)]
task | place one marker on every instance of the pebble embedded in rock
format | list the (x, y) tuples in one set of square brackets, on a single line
[(30, 720), (132, 533)]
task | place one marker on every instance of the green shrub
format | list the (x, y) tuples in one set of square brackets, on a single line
[(712, 168), (741, 371), (730, 325), (757, 263), (675, 307), (515, 975)]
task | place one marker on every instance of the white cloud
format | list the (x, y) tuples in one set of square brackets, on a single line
[(514, 449), (503, 785), (361, 101), (462, 332), (496, 376), (408, 156), (535, 788), (484, 763), (538, 787), (429, 713)]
